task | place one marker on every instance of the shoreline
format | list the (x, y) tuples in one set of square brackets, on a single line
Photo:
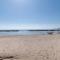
[(28, 35)]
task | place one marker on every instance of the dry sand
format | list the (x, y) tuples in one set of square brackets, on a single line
[(41, 47)]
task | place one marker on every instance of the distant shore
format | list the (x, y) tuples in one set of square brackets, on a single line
[(9, 30), (30, 30)]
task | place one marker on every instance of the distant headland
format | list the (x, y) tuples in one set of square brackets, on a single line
[(30, 30), (9, 30)]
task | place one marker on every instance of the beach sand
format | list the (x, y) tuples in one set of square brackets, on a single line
[(37, 47)]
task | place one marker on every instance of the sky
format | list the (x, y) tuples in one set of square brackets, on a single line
[(29, 14)]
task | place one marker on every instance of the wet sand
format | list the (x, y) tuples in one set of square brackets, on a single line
[(38, 47)]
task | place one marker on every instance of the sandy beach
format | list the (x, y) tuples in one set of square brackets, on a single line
[(37, 47)]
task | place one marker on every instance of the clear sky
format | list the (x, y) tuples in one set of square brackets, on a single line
[(29, 14)]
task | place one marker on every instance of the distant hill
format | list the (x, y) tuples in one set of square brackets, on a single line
[(9, 30), (58, 29)]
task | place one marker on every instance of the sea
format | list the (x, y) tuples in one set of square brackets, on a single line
[(25, 32)]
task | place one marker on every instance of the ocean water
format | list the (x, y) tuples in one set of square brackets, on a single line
[(25, 33)]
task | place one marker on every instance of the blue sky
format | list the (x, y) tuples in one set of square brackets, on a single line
[(29, 14)]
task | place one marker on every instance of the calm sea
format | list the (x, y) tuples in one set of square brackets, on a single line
[(24, 33)]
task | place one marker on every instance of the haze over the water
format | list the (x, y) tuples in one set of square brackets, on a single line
[(29, 14)]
